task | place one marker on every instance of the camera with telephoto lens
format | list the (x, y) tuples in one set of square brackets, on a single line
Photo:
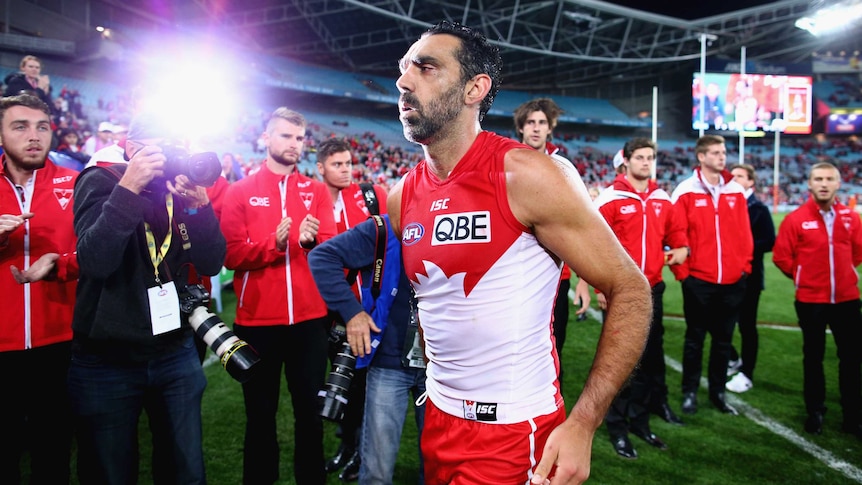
[(333, 397), (237, 356), (202, 169)]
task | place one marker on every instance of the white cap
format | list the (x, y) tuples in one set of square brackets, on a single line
[(106, 126), (618, 159)]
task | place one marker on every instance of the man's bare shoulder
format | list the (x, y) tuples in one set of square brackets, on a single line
[(393, 206)]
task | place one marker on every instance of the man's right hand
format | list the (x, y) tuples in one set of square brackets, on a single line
[(9, 223), (147, 164), (359, 330), (281, 233)]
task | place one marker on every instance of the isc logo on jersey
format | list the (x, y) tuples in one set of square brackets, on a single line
[(462, 228)]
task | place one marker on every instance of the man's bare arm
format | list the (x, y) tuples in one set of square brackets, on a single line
[(551, 199)]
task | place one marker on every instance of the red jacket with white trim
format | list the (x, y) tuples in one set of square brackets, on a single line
[(719, 234), (643, 222), (273, 287), (823, 271), (40, 313)]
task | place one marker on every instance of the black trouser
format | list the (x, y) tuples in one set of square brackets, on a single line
[(647, 387), (714, 309), (846, 323), (748, 331), (300, 350), (36, 414), (561, 319)]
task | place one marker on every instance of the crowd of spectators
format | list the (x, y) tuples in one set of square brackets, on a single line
[(77, 132)]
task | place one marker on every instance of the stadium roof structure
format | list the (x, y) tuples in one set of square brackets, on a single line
[(547, 45)]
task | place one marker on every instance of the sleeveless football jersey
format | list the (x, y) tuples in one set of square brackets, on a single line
[(485, 288)]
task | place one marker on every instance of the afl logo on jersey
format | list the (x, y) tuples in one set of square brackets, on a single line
[(412, 233)]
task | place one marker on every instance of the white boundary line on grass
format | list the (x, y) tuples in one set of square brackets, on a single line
[(825, 456)]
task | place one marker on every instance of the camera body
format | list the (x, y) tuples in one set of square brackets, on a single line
[(202, 169), (236, 355), (332, 398)]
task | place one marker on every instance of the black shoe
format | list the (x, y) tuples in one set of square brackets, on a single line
[(814, 423), (666, 413), (650, 438), (689, 402), (351, 469), (721, 404), (624, 447), (340, 459), (854, 429)]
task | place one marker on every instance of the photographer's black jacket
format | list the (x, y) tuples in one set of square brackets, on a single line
[(112, 315)]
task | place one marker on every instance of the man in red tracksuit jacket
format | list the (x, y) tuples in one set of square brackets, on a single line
[(38, 274), (641, 216), (714, 211), (335, 166), (270, 221), (819, 246)]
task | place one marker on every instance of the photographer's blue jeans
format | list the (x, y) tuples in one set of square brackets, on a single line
[(387, 395), (107, 400)]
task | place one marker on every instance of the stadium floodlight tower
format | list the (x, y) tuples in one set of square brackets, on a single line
[(832, 19), (705, 40)]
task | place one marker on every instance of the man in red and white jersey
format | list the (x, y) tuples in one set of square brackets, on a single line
[(641, 216), (271, 220), (38, 278), (485, 223), (713, 209), (819, 246), (535, 121)]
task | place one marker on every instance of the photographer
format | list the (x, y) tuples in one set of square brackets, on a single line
[(138, 236), (392, 375)]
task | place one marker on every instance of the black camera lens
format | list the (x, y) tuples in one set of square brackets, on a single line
[(203, 169), (333, 397)]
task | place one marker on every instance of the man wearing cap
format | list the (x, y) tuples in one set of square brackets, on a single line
[(139, 234), (101, 139)]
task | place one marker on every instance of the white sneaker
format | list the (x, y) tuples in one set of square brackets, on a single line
[(733, 366), (739, 384)]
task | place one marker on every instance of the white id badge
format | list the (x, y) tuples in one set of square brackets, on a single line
[(164, 308)]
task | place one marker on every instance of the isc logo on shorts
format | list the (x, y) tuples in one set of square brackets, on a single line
[(480, 411), (462, 228)]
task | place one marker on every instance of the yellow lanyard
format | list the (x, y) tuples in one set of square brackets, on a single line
[(157, 256)]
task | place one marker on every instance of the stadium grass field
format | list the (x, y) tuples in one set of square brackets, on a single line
[(764, 445)]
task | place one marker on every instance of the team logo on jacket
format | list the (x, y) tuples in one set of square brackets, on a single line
[(307, 198), (412, 233), (462, 228), (731, 201), (656, 207), (63, 196), (480, 411)]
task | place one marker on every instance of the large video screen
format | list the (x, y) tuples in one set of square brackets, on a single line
[(752, 102)]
